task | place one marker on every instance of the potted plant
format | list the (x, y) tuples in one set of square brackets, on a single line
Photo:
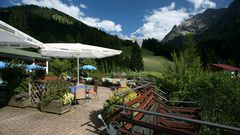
[(56, 98), (20, 96), (16, 87)]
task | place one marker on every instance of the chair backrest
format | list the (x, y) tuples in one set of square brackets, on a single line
[(123, 83)]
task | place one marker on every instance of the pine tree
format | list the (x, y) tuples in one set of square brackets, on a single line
[(136, 61), (186, 68)]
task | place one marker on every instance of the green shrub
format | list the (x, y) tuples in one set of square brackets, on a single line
[(57, 90), (59, 66), (217, 94), (98, 75), (38, 74), (219, 97), (23, 87), (109, 109), (13, 73)]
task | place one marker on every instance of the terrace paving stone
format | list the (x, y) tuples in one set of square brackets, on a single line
[(81, 120)]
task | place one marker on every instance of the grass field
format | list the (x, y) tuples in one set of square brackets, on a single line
[(151, 63), (154, 63)]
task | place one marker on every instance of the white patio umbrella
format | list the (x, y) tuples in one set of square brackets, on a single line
[(76, 50), (14, 38)]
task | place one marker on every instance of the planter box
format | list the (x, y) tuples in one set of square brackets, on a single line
[(19, 102), (55, 106)]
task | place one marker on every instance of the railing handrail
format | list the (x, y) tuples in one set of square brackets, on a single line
[(183, 102), (181, 118), (160, 96), (131, 89), (144, 85), (154, 87), (159, 90)]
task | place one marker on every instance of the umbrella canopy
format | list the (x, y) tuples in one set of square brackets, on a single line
[(3, 64), (34, 67), (14, 38), (88, 67), (76, 50)]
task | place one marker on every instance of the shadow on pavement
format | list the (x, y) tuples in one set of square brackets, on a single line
[(96, 124)]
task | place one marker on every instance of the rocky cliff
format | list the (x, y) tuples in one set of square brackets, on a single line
[(196, 24)]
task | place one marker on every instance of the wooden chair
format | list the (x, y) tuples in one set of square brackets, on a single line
[(94, 91), (80, 94)]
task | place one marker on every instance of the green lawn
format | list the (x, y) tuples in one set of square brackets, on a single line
[(151, 63), (154, 63)]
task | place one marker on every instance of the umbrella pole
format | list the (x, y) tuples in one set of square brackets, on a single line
[(78, 71)]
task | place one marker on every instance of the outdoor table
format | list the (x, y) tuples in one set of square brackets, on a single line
[(74, 89)]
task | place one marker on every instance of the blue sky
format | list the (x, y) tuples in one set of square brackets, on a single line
[(128, 18)]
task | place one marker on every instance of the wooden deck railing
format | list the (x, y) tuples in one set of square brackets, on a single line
[(224, 128), (166, 119)]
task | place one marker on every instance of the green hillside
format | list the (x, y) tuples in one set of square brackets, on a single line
[(154, 63), (151, 62), (53, 26)]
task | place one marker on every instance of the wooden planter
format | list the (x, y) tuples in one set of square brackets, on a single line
[(55, 106), (19, 102)]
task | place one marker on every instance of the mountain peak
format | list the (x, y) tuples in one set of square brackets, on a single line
[(196, 24)]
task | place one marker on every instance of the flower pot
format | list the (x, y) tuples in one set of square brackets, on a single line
[(19, 102), (55, 106)]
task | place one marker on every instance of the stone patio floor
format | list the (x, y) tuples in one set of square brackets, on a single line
[(81, 120)]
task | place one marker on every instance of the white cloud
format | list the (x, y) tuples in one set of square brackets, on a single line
[(71, 10), (83, 6), (160, 22), (202, 5), (122, 36), (76, 12), (107, 25)]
